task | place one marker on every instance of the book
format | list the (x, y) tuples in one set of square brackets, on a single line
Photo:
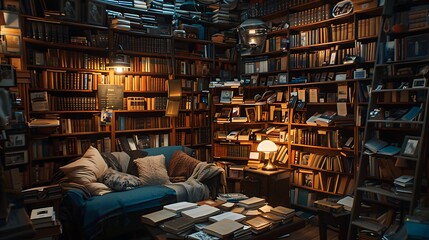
[(223, 228), (231, 197), (39, 101), (253, 202), (200, 213), (404, 181), (42, 215), (374, 144), (180, 206), (157, 217), (258, 224), (227, 215), (200, 235), (177, 225)]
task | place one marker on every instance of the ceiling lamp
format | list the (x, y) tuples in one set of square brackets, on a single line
[(252, 34), (119, 61)]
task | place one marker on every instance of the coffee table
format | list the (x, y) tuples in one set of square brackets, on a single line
[(158, 234)]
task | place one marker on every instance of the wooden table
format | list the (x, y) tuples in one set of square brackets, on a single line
[(338, 220), (158, 234)]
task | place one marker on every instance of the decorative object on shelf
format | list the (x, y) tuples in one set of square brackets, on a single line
[(252, 34), (174, 97), (71, 9), (268, 147), (96, 13), (119, 61), (342, 8)]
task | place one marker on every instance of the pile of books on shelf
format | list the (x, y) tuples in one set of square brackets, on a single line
[(41, 193), (120, 23), (404, 184)]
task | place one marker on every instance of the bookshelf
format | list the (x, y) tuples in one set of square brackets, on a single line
[(394, 140), (314, 57)]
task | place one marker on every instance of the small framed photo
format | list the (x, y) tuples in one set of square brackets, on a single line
[(71, 9), (254, 79), (410, 146), (13, 43), (15, 140), (251, 114), (96, 13), (15, 158), (417, 46), (333, 58), (254, 156), (419, 83), (282, 78), (226, 96), (7, 76)]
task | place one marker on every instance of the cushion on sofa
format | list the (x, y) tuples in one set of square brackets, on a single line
[(120, 181), (111, 161), (132, 167), (181, 166), (123, 160), (86, 170), (97, 188), (152, 170)]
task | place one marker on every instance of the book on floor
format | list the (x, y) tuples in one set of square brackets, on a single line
[(157, 217), (201, 213), (223, 228)]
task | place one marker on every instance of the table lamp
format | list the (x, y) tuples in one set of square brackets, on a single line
[(268, 147)]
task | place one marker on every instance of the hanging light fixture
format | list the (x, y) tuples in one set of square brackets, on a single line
[(119, 61), (252, 34)]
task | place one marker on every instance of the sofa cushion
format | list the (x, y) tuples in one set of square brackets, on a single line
[(111, 161), (152, 170), (134, 154), (120, 181), (97, 188), (181, 166), (123, 160)]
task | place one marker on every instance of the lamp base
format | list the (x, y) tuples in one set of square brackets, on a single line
[(269, 167)]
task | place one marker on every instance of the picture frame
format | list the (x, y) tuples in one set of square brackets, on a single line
[(419, 83), (417, 46), (96, 13), (12, 43), (254, 79), (15, 158), (410, 146), (71, 9), (254, 155), (7, 76), (333, 58), (226, 96), (282, 78), (251, 114), (15, 140)]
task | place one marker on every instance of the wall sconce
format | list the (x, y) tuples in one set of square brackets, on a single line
[(119, 61), (268, 147), (252, 34)]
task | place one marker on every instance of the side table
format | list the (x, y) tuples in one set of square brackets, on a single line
[(338, 220), (274, 186)]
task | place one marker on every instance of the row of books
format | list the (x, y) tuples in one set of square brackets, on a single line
[(192, 67), (366, 51), (415, 18), (71, 125), (66, 59), (146, 103), (42, 148), (320, 58), (183, 138), (143, 44), (50, 32), (310, 15), (137, 83), (369, 27), (61, 80), (276, 43), (138, 142), (327, 182), (335, 163), (230, 150), (130, 123), (257, 9), (328, 138), (41, 173), (72, 103)]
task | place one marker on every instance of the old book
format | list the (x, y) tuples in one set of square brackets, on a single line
[(227, 215), (223, 228), (180, 206), (178, 225), (252, 202), (42, 215), (258, 223), (200, 213), (157, 217)]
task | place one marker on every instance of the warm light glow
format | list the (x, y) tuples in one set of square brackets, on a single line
[(119, 70), (267, 146)]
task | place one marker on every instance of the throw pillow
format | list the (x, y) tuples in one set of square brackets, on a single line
[(111, 161), (87, 170), (134, 154), (181, 166), (123, 160), (152, 170), (97, 188), (119, 181)]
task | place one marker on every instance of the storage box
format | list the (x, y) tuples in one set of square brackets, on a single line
[(361, 5)]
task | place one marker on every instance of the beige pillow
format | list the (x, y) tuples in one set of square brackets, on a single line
[(88, 169), (152, 170)]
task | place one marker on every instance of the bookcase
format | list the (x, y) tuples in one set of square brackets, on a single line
[(315, 64), (392, 161), (68, 63)]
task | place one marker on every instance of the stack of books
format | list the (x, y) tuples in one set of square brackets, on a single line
[(120, 23), (180, 206), (252, 203), (225, 228), (201, 213), (284, 212), (404, 184), (227, 215), (232, 197), (258, 224), (158, 217), (178, 225), (43, 217)]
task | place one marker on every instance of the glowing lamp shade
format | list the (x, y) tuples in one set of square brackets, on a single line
[(268, 147), (119, 62)]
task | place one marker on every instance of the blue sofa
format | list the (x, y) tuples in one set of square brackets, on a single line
[(111, 215)]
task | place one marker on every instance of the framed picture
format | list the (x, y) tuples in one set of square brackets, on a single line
[(7, 76), (419, 83), (13, 43), (282, 78), (71, 9), (254, 79), (417, 46), (254, 156), (251, 114), (15, 158), (226, 96), (330, 76), (332, 59), (270, 81), (96, 13), (11, 5), (15, 140), (410, 146)]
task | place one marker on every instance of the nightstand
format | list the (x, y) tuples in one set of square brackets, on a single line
[(274, 186)]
